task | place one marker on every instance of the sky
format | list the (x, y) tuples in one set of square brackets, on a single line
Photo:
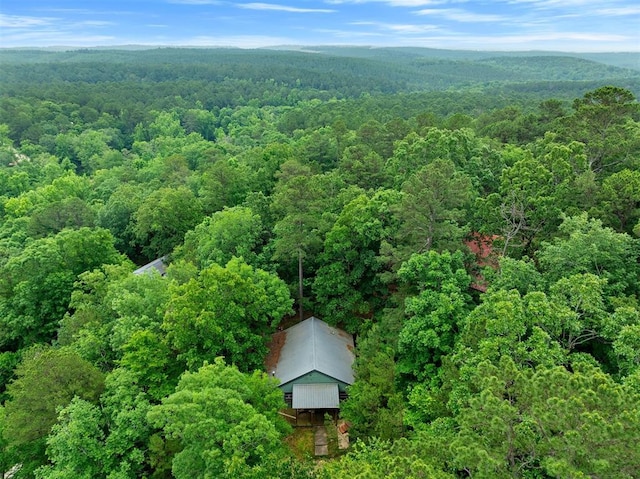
[(513, 25)]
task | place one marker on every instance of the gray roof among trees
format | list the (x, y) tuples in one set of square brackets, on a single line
[(157, 265), (313, 345)]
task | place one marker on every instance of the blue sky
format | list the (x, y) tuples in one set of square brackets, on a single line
[(564, 25)]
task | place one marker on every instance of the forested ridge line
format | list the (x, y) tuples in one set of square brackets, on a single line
[(384, 70), (480, 242)]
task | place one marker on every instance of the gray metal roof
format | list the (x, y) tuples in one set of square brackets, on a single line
[(315, 396), (157, 265), (313, 345)]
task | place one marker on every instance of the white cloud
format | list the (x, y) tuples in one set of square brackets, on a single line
[(507, 42), (84, 11), (19, 21), (195, 2), (46, 31), (579, 8), (620, 11), (79, 11), (282, 8), (399, 3), (239, 41), (348, 34), (47, 38), (96, 23), (460, 15), (400, 28), (543, 4)]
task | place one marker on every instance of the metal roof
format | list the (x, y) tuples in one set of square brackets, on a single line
[(315, 396), (157, 265), (313, 345)]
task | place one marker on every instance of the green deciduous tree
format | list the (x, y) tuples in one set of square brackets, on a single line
[(468, 153), (228, 311), (139, 303), (91, 149), (165, 124), (394, 460), (46, 380), (164, 217), (435, 313), (36, 284), (626, 345), (76, 443), (225, 421), (89, 441), (585, 246), (508, 324), (620, 200), (265, 163), (432, 214), (224, 184), (505, 324), (550, 422), (348, 283), (525, 209), (605, 120), (520, 274), (110, 307), (584, 317), (231, 232), (576, 186), (117, 215), (147, 355), (364, 167), (61, 188), (375, 404), (125, 403), (306, 206)]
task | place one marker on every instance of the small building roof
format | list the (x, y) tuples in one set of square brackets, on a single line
[(156, 265), (313, 345), (482, 247), (316, 396)]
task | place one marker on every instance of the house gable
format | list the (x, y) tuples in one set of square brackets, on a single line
[(313, 377)]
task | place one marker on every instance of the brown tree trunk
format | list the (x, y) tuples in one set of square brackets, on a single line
[(300, 295)]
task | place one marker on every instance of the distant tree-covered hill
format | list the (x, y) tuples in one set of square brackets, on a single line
[(345, 71)]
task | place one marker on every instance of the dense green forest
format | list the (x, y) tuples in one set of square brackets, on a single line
[(472, 218)]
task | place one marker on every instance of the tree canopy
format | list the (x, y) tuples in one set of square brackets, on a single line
[(473, 220)]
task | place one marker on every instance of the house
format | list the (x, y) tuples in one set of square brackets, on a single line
[(158, 265), (315, 365)]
